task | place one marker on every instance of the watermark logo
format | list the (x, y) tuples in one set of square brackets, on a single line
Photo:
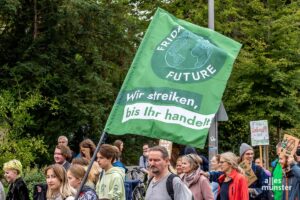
[(275, 184), (185, 57)]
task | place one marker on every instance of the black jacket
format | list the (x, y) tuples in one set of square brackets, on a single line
[(18, 191)]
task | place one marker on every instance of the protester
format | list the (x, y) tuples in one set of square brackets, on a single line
[(277, 175), (94, 172), (291, 177), (87, 149), (261, 164), (192, 150), (117, 162), (143, 161), (2, 192), (17, 187), (193, 178), (75, 175), (111, 183), (120, 145), (58, 187), (233, 184), (63, 140), (256, 190), (179, 170), (298, 156), (215, 166), (62, 154), (157, 188)]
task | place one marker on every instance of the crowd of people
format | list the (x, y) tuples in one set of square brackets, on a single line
[(230, 177)]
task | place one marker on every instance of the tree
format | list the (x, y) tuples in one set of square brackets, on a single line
[(265, 79), (74, 54)]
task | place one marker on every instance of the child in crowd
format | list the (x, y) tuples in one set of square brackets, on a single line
[(17, 188), (75, 175)]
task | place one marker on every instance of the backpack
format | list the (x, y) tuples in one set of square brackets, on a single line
[(169, 184)]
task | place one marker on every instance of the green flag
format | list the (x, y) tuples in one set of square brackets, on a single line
[(175, 84)]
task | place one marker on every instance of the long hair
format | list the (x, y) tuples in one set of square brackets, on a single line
[(118, 144), (77, 171), (88, 143), (95, 170), (65, 189), (232, 160)]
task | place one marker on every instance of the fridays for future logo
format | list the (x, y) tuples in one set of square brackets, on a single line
[(185, 57)]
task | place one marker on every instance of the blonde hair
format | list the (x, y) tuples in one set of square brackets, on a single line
[(13, 165), (65, 189), (77, 171), (231, 159), (194, 160), (95, 170)]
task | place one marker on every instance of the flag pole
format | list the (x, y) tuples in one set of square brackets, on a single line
[(213, 130), (102, 139)]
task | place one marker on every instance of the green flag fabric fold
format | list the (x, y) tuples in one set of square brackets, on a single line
[(175, 84)]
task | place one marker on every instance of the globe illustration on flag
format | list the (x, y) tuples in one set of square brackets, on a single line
[(188, 51)]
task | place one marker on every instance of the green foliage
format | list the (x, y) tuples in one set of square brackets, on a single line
[(27, 150), (32, 176), (15, 113), (73, 55), (265, 79)]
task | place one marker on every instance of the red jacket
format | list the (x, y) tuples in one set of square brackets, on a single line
[(238, 188)]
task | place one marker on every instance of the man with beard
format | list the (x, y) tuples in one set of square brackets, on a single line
[(159, 162), (291, 177)]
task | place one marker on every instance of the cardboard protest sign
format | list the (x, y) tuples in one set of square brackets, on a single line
[(250, 175), (168, 145), (289, 145)]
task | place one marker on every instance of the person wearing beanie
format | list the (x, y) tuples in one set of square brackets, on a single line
[(17, 188), (256, 189)]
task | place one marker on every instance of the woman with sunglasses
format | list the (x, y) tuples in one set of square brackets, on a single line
[(232, 184), (193, 178)]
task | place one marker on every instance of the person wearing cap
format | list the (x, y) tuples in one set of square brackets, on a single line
[(17, 187), (256, 190)]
